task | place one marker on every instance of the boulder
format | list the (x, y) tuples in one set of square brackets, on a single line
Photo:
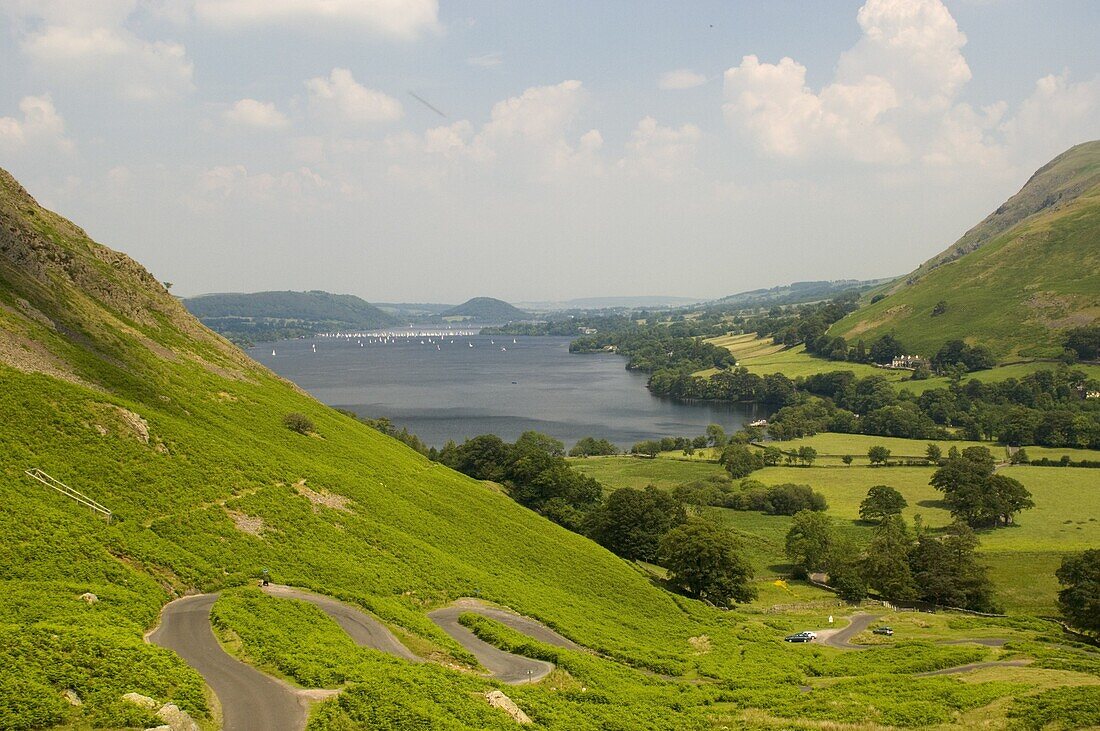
[(141, 700), (89, 598), (71, 697), (176, 719)]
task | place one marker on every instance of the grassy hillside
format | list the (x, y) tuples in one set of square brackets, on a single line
[(1013, 282), (107, 383), (268, 315)]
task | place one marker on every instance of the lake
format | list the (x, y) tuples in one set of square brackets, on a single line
[(443, 391)]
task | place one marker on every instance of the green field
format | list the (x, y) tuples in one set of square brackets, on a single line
[(1022, 558), (762, 357)]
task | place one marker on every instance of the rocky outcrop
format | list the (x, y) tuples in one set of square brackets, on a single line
[(497, 699)]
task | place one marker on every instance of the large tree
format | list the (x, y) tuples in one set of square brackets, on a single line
[(703, 558), (946, 571), (977, 495), (740, 461), (1079, 600), (881, 501), (631, 522), (886, 564), (809, 541)]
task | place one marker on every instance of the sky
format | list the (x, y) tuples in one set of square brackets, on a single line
[(432, 151)]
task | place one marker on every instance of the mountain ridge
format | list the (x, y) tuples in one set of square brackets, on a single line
[(1014, 282)]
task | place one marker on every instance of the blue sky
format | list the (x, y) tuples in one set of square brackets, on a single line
[(609, 148)]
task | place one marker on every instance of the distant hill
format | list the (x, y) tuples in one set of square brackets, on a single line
[(799, 292), (272, 315), (1014, 282), (486, 309), (607, 303)]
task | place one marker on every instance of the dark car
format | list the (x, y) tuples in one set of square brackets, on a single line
[(888, 631), (800, 637)]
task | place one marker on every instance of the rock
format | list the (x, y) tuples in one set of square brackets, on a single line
[(71, 697), (162, 727), (177, 719), (499, 700), (141, 700), (89, 598)]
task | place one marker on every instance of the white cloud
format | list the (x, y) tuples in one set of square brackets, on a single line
[(660, 153), (75, 39), (399, 19), (301, 189), (787, 119), (342, 96), (41, 125), (680, 79), (891, 100), (487, 60), (1058, 112), (256, 115)]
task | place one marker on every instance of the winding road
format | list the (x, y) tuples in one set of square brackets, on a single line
[(254, 701), (504, 666), (250, 700), (366, 631)]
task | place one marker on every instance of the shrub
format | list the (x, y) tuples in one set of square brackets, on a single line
[(298, 422)]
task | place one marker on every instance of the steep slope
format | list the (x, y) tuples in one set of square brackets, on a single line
[(486, 309), (120, 393), (1013, 282)]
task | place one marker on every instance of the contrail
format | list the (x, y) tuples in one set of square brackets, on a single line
[(428, 104)]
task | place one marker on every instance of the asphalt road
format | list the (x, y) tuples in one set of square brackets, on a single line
[(250, 700), (365, 630), (504, 666), (839, 638)]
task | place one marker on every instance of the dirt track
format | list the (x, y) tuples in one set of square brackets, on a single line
[(251, 701)]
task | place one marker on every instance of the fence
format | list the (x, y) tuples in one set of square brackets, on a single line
[(59, 486)]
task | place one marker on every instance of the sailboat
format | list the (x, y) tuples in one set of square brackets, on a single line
[(513, 341), (470, 344), (503, 349), (273, 351)]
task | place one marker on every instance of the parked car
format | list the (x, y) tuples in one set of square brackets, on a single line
[(801, 637), (888, 631)]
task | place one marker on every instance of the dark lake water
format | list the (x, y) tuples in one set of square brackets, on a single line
[(457, 392)]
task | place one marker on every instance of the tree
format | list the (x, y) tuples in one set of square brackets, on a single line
[(933, 453), (947, 573), (631, 522), (772, 456), (740, 461), (885, 349), (807, 455), (1079, 601), (886, 565), (716, 436), (482, 457), (847, 460), (809, 541), (704, 559), (940, 308), (881, 501), (878, 455), (298, 422), (591, 447), (974, 494)]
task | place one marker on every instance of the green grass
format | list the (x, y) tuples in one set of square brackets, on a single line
[(763, 358), (639, 472), (1022, 558)]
